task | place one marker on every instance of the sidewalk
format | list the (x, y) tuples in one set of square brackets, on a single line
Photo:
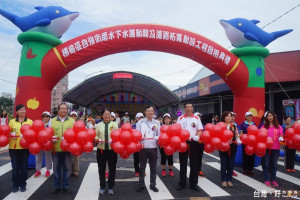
[(4, 148)]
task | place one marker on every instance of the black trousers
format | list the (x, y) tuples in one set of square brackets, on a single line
[(290, 156), (248, 161), (164, 157), (136, 160), (201, 155), (111, 157), (144, 155), (195, 149), (19, 161)]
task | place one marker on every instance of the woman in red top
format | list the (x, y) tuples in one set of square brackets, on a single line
[(4, 118), (269, 160)]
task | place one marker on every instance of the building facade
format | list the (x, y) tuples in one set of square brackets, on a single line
[(60, 89)]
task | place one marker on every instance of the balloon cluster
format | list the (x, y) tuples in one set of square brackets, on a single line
[(173, 138), (4, 132), (216, 137), (256, 141), (78, 139), (36, 137), (126, 141), (292, 137)]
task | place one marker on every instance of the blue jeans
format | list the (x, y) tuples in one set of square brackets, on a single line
[(19, 161), (227, 163), (62, 169), (270, 161)]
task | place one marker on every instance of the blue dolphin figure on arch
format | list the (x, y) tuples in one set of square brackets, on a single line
[(54, 20), (243, 32)]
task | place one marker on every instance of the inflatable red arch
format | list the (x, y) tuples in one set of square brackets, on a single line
[(62, 59)]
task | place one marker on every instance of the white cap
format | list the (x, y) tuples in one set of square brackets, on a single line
[(233, 113), (73, 113), (113, 114), (126, 113), (248, 113), (265, 115), (167, 115), (138, 115), (154, 116), (197, 113), (46, 113)]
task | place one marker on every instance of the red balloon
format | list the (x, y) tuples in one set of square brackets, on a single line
[(64, 145), (251, 140), (131, 147), (297, 148), (252, 130), (289, 133), (50, 131), (215, 142), (88, 147), (260, 147), (262, 135), (208, 148), (125, 137), (35, 148), (91, 134), (174, 130), (70, 135), (164, 129), (295, 125), (118, 147), (184, 135), (208, 127), (222, 125), (205, 137), (183, 147), (124, 155), (47, 146), (79, 126), (269, 143), (289, 144), (296, 139), (24, 144), (226, 135), (43, 136), (249, 150), (38, 125), (169, 150), (24, 128), (115, 135), (138, 146), (126, 127), (243, 138), (136, 135), (30, 136), (215, 131), (175, 142), (3, 140), (260, 154), (82, 137), (224, 146), (4, 130), (75, 148), (163, 139)]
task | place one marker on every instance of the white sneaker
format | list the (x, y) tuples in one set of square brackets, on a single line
[(101, 191), (110, 191)]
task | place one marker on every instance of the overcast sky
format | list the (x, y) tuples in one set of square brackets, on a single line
[(198, 16)]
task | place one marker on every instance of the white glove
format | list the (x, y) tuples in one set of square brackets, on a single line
[(62, 138), (239, 141), (13, 134), (280, 139), (196, 138), (54, 138), (21, 135), (110, 141), (156, 137)]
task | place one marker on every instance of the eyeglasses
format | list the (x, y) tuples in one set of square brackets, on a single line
[(46, 116)]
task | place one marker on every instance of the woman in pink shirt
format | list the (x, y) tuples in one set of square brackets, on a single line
[(269, 161)]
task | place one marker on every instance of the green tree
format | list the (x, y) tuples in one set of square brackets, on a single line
[(5, 103)]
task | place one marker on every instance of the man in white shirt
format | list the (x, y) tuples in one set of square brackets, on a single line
[(150, 129), (193, 124), (118, 120), (125, 119)]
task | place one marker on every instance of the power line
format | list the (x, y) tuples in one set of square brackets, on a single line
[(7, 81), (177, 71)]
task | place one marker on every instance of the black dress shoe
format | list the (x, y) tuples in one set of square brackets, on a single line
[(68, 190), (154, 189), (194, 187), (140, 188), (55, 191), (180, 187)]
